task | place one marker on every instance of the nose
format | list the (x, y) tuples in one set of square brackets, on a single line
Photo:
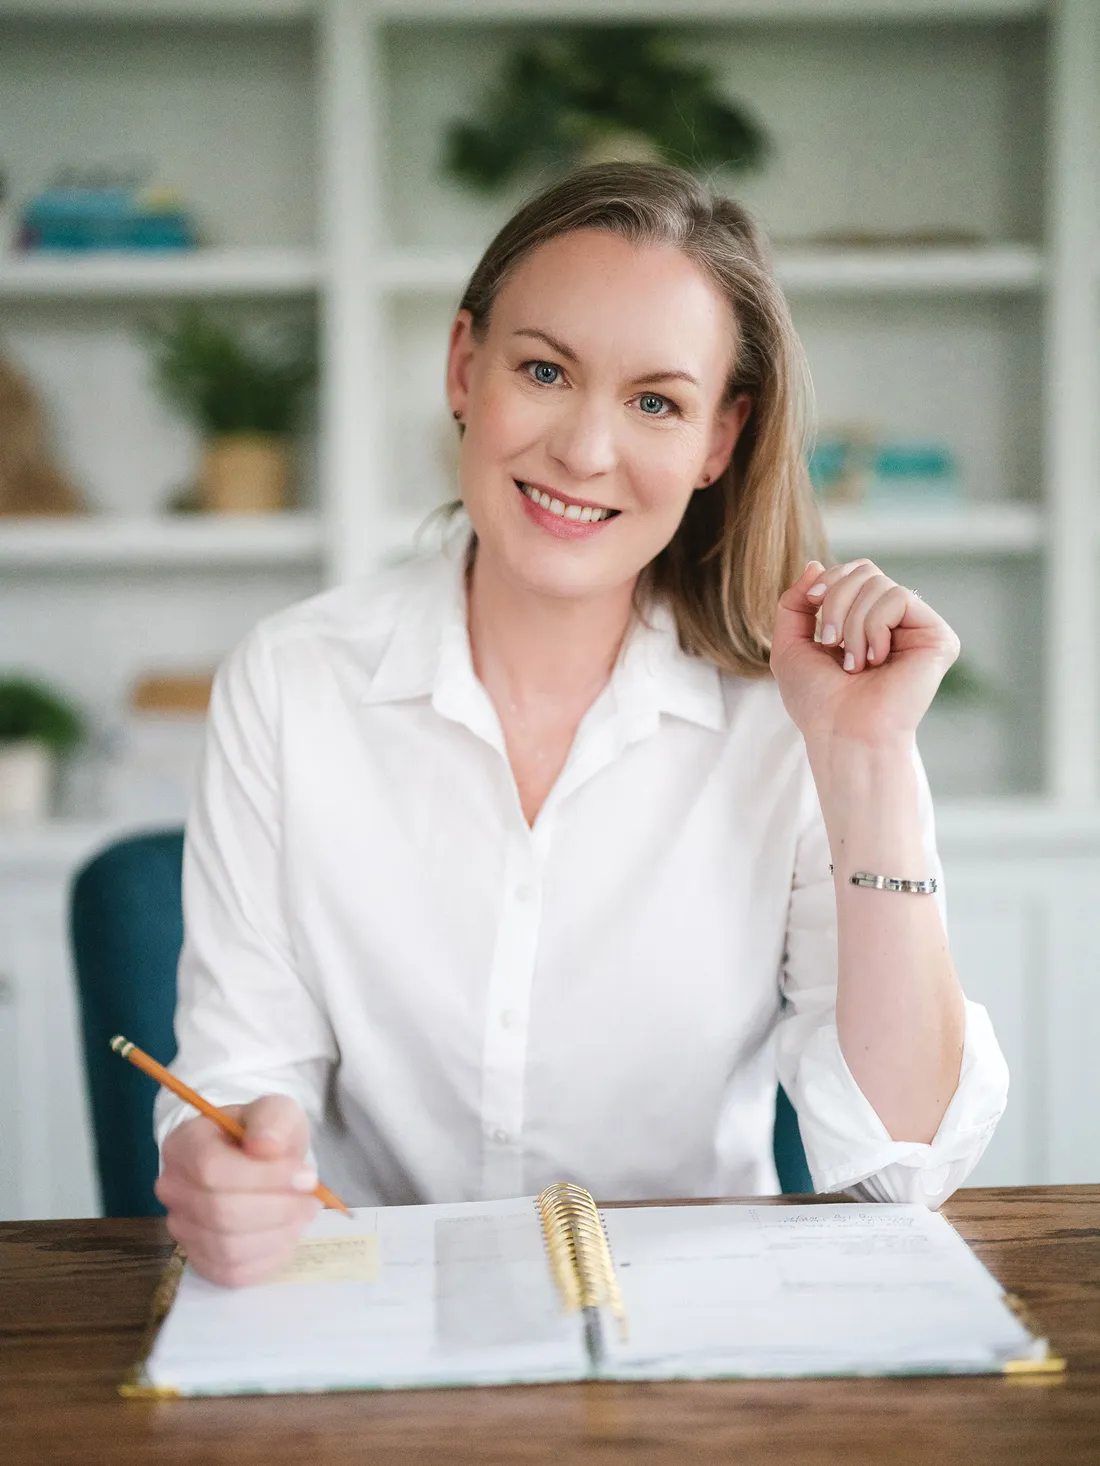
[(582, 438)]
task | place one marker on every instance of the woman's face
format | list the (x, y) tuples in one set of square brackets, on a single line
[(593, 410)]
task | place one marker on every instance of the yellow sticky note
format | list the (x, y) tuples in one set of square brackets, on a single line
[(333, 1260)]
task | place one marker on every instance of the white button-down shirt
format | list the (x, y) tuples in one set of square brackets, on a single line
[(468, 1007)]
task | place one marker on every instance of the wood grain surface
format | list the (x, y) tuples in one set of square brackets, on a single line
[(74, 1297)]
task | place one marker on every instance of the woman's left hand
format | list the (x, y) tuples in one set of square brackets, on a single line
[(881, 657)]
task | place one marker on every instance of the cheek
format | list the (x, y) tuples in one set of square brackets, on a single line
[(508, 417), (664, 470)]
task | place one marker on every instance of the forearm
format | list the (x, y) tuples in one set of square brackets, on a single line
[(900, 1013)]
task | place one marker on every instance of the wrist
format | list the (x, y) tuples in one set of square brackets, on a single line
[(838, 757), (870, 801)]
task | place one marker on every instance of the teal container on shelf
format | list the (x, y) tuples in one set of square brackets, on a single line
[(909, 475), (914, 475)]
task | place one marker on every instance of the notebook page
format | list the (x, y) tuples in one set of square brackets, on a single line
[(460, 1294), (829, 1289)]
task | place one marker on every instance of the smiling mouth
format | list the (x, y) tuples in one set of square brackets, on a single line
[(581, 513)]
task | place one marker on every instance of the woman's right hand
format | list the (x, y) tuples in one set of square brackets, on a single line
[(239, 1207)]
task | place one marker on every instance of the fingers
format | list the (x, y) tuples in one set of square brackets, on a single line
[(274, 1127), (860, 607), (233, 1211), (796, 614), (234, 1261), (877, 607), (237, 1213), (205, 1157)]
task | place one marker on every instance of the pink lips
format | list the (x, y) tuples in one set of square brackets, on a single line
[(565, 529)]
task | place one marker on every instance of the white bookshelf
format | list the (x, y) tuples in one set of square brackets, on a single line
[(155, 541), (983, 529), (306, 134), (171, 274), (1009, 268)]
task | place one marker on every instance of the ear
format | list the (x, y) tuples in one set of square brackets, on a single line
[(729, 423), (460, 359)]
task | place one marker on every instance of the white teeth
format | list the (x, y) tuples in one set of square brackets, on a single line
[(585, 514)]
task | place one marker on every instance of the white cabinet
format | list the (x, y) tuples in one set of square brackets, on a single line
[(46, 1166), (1024, 923), (10, 1159), (307, 135)]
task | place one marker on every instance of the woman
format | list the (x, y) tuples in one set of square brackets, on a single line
[(515, 865)]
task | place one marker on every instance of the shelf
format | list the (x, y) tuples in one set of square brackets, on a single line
[(966, 530), (141, 275), (975, 270), (722, 10), (216, 11), (987, 269), (198, 541), (201, 541)]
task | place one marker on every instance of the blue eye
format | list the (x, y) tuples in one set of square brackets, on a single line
[(652, 405), (544, 372)]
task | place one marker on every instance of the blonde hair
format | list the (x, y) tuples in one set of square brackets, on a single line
[(747, 536)]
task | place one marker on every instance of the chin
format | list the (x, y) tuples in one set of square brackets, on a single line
[(566, 572)]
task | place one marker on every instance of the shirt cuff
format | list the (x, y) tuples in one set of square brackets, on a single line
[(848, 1148)]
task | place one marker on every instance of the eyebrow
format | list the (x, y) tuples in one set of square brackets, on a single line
[(672, 374)]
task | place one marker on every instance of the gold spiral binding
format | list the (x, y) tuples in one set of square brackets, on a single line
[(580, 1257)]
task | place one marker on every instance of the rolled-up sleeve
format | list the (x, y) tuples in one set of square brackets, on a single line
[(246, 1022), (848, 1148)]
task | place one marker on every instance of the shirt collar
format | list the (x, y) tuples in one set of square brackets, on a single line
[(428, 655)]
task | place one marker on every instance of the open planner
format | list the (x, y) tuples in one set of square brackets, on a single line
[(549, 1288)]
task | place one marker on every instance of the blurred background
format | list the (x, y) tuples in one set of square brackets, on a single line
[(232, 237)]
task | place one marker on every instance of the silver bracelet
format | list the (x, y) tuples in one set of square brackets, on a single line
[(893, 883)]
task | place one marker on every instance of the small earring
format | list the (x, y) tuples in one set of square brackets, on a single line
[(457, 416), (706, 481)]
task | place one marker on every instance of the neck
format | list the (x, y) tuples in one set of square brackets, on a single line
[(532, 651)]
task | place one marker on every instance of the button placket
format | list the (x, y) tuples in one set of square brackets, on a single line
[(507, 1008)]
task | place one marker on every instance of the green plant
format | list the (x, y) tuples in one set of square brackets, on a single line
[(30, 710), (961, 684), (570, 87), (232, 382)]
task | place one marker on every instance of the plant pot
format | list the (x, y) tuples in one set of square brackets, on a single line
[(26, 781), (244, 473)]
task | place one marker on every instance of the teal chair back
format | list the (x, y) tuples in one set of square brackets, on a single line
[(126, 929)]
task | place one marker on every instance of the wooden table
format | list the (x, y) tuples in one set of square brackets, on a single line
[(73, 1301)]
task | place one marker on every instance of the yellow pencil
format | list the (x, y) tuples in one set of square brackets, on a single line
[(158, 1072)]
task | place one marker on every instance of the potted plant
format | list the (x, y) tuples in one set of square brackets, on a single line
[(601, 93), (36, 726), (246, 393)]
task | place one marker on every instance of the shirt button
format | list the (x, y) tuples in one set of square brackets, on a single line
[(501, 1137), (525, 892), (509, 1018)]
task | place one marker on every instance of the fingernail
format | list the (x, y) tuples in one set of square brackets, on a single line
[(849, 662), (304, 1180), (870, 654), (817, 590), (828, 635)]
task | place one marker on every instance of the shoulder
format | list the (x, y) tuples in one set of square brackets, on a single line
[(348, 627)]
